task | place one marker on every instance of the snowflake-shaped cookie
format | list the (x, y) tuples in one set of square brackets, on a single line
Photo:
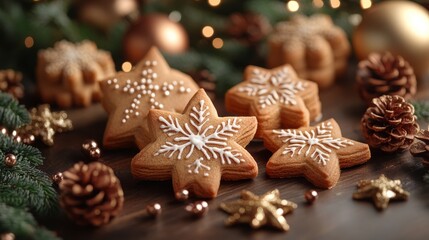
[(68, 73), (273, 88), (277, 97), (196, 148), (316, 152), (130, 96)]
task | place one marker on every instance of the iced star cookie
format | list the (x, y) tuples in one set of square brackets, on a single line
[(197, 149), (317, 153), (128, 97), (277, 97), (68, 74)]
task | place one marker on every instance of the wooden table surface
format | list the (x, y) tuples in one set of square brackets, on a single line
[(335, 215)]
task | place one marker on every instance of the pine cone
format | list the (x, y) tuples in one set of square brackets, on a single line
[(10, 82), (91, 194), (420, 148), (385, 74), (389, 124), (249, 28), (205, 80)]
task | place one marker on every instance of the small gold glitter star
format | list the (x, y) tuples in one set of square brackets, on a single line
[(381, 191), (44, 124), (268, 209)]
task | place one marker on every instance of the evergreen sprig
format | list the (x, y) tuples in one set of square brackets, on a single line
[(23, 185), (22, 224), (12, 114), (421, 110)]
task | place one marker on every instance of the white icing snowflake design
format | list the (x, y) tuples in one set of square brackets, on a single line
[(319, 142), (194, 136), (273, 88), (146, 86)]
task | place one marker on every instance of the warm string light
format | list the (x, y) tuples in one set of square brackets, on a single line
[(335, 3), (318, 3), (29, 42), (293, 6), (217, 43), (207, 31), (365, 4), (175, 16), (214, 3), (127, 66)]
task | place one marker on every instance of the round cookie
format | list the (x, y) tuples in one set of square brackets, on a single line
[(68, 73)]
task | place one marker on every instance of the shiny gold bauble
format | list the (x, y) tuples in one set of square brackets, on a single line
[(401, 27), (154, 30)]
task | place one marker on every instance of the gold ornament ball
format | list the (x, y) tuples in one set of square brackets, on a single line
[(401, 27), (58, 177), (182, 195), (154, 30), (10, 160), (311, 196), (88, 144)]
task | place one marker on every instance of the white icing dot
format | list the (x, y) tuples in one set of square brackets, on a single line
[(154, 63), (115, 80), (124, 120), (147, 63), (161, 106), (116, 86), (109, 81), (166, 93)]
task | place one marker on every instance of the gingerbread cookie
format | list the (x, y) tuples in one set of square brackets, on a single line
[(277, 97), (317, 153), (128, 96), (68, 73), (314, 46), (197, 148)]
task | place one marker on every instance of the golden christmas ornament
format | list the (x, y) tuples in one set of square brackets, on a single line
[(401, 27), (381, 191), (10, 160), (268, 209), (154, 30), (44, 124), (154, 209), (198, 209)]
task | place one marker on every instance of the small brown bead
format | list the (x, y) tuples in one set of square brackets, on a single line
[(94, 153), (10, 160), (154, 209), (28, 139), (182, 195), (198, 208), (58, 177), (89, 144), (311, 196)]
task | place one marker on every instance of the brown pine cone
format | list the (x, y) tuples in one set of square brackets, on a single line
[(420, 148), (385, 74), (10, 82), (249, 28), (91, 194), (389, 124)]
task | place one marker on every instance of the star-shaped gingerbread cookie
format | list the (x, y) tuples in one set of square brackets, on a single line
[(128, 97), (381, 191), (197, 148), (317, 153), (277, 97)]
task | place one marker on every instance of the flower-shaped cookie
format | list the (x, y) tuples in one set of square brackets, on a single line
[(68, 73), (197, 148), (277, 97), (314, 46), (316, 152), (128, 97)]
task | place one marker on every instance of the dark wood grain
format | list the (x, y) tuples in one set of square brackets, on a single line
[(333, 216)]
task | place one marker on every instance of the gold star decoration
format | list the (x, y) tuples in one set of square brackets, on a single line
[(44, 124), (381, 191), (268, 209)]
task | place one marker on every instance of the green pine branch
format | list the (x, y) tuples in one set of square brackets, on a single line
[(22, 224), (23, 185), (12, 115), (421, 110)]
